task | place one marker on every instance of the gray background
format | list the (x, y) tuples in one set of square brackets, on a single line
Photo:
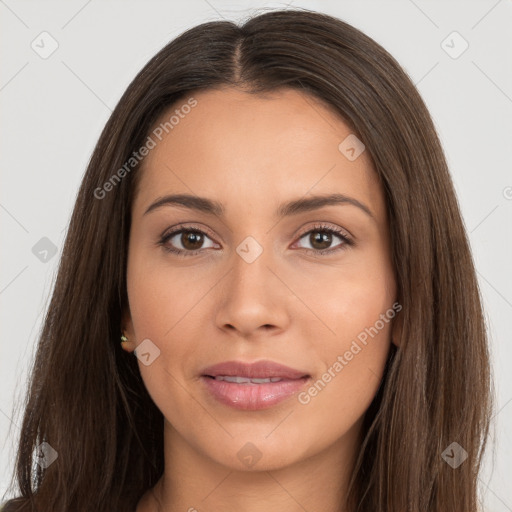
[(54, 108)]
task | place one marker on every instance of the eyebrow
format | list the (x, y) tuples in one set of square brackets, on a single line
[(294, 207)]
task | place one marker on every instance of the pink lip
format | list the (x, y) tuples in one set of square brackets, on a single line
[(253, 396)]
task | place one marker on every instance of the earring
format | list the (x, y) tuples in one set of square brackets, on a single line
[(125, 344)]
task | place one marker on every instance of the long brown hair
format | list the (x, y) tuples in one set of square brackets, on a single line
[(86, 397)]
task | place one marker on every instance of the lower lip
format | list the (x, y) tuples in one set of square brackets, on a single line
[(252, 397)]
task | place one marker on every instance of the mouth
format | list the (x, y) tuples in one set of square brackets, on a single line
[(255, 386), (245, 380)]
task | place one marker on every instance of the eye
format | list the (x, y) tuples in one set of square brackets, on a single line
[(321, 237), (189, 241), (184, 241)]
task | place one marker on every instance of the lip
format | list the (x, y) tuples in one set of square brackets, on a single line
[(257, 370), (253, 396)]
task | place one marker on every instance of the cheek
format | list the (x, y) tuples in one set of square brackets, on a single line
[(344, 301), (161, 296), (352, 365), (339, 397), (166, 310), (356, 318)]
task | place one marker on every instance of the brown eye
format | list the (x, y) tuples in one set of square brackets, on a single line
[(191, 240), (320, 240), (186, 242)]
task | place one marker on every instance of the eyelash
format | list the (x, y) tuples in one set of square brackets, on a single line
[(347, 242)]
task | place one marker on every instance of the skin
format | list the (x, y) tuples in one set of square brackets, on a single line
[(251, 153)]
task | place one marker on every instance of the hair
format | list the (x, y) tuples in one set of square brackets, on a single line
[(86, 397)]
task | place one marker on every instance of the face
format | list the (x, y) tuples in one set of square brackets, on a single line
[(309, 286)]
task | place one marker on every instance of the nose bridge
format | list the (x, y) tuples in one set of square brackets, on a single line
[(251, 274), (252, 296)]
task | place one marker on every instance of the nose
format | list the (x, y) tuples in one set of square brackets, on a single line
[(252, 299)]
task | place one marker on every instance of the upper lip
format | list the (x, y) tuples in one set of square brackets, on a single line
[(256, 370)]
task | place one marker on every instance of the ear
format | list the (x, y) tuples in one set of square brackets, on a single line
[(127, 330), (397, 327)]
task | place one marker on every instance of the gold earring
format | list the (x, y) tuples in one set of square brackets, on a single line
[(123, 339)]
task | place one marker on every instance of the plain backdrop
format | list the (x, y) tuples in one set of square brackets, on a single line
[(65, 64)]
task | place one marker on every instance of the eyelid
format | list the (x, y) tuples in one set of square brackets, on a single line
[(185, 226), (347, 240), (319, 225), (343, 234)]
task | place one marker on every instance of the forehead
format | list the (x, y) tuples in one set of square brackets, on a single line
[(260, 147)]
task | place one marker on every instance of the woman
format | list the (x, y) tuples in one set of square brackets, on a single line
[(347, 374)]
